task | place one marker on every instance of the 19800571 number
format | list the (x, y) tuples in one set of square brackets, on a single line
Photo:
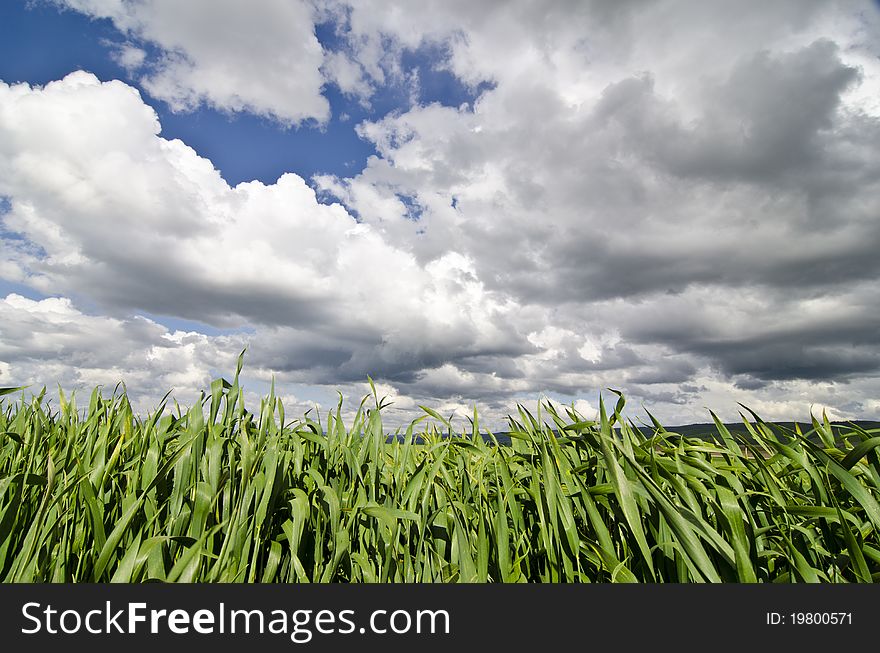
[(820, 618)]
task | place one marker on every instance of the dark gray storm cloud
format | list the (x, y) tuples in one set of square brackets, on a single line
[(782, 338)]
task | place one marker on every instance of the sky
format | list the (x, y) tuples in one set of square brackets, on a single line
[(473, 204)]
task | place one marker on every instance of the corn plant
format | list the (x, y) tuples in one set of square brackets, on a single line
[(219, 493)]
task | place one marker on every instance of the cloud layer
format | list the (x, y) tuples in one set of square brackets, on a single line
[(208, 51), (676, 200)]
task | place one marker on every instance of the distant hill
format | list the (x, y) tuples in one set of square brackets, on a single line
[(707, 431)]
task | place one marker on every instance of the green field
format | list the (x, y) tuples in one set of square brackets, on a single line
[(224, 493)]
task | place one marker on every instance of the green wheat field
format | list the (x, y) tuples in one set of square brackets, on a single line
[(220, 492)]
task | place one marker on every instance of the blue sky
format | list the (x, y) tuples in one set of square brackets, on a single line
[(40, 43), (470, 203)]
